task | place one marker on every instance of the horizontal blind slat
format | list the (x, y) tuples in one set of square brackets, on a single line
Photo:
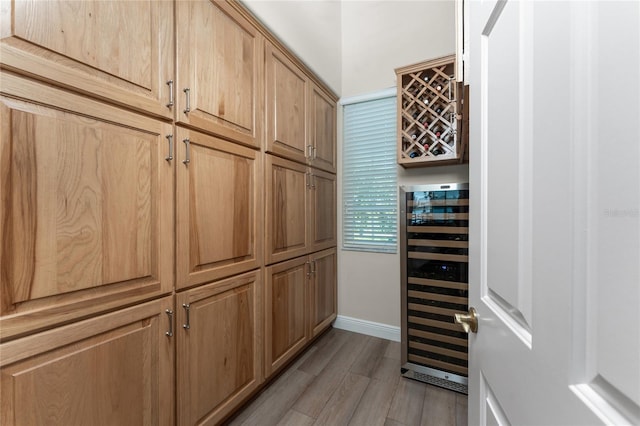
[(369, 176)]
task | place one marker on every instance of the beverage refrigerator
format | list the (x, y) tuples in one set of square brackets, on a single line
[(434, 245)]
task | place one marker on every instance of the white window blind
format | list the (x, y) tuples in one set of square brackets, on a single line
[(369, 189)]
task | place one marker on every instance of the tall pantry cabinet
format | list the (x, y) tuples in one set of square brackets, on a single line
[(149, 152)]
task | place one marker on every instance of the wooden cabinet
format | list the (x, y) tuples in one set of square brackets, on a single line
[(113, 369), (220, 64), (322, 290), (300, 303), (321, 210), (119, 51), (301, 117), (286, 193), (218, 210), (219, 351), (285, 312), (429, 119), (322, 125), (286, 109), (300, 209), (87, 207)]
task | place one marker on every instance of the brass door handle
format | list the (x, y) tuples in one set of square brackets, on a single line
[(469, 322)]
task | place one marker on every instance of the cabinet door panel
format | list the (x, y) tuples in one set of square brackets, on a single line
[(286, 106), (218, 197), (113, 369), (285, 312), (286, 217), (322, 211), (219, 60), (323, 300), (117, 50), (86, 208), (322, 113), (219, 354)]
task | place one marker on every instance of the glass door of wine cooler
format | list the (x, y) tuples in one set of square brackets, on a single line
[(434, 241)]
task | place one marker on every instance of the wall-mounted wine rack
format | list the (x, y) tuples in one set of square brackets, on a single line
[(429, 119)]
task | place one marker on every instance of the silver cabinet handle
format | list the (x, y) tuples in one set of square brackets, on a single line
[(314, 267), (308, 267), (170, 156), (313, 181), (188, 105), (309, 151), (169, 313), (308, 180), (170, 84), (314, 153), (187, 324), (187, 158)]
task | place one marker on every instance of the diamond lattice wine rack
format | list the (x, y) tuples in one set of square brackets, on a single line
[(428, 118)]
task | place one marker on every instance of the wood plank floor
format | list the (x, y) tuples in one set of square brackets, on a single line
[(347, 378)]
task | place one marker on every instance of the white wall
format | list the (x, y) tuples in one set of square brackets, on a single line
[(377, 37), (311, 29), (354, 46)]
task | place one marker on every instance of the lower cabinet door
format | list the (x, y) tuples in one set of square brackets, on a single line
[(219, 353), (114, 369), (322, 289), (285, 311)]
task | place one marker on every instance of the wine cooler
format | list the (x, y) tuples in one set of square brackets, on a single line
[(434, 243)]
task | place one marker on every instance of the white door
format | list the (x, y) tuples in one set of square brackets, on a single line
[(555, 233)]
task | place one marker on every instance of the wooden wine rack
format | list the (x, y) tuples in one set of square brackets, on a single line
[(429, 119)]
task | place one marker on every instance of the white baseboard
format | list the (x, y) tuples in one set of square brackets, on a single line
[(369, 328)]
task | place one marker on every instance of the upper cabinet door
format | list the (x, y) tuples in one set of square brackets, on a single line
[(219, 60), (322, 125), (121, 51), (218, 204), (86, 207), (286, 196), (286, 107), (322, 210)]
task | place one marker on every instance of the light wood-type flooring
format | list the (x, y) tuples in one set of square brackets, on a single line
[(347, 378)]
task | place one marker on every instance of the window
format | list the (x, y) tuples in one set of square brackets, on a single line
[(369, 189)]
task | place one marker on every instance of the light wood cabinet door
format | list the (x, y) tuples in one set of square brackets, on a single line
[(285, 312), (219, 352), (322, 210), (220, 67), (121, 51), (322, 125), (219, 231), (86, 207), (114, 369), (322, 290), (286, 109), (286, 209)]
